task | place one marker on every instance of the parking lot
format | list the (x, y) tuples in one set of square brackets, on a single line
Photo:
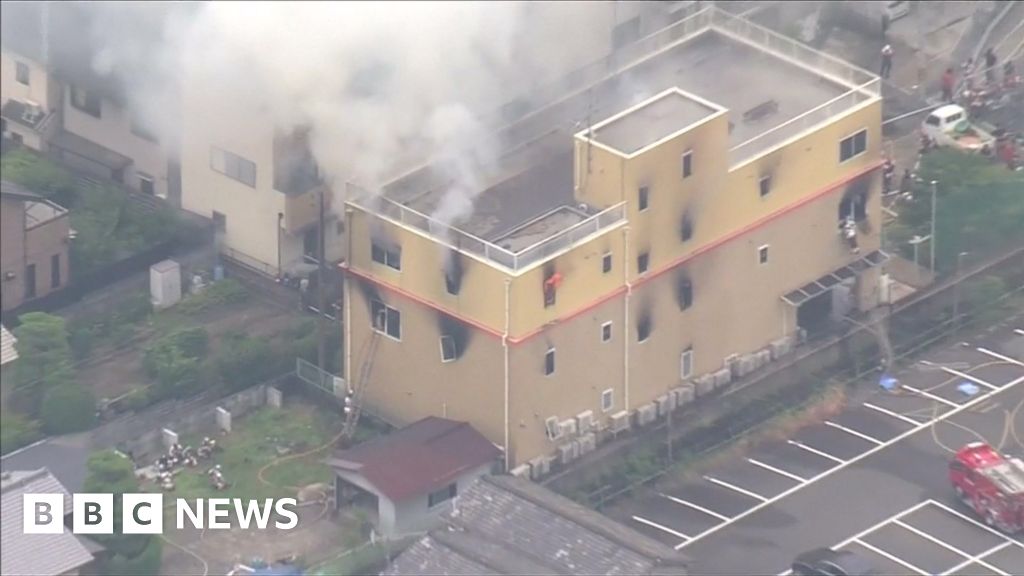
[(886, 451)]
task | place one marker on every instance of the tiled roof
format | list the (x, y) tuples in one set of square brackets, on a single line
[(505, 525), (37, 554), (8, 352), (418, 459)]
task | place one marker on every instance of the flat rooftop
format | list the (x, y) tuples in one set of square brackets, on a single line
[(761, 91), (652, 121)]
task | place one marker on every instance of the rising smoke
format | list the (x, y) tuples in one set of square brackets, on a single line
[(381, 85)]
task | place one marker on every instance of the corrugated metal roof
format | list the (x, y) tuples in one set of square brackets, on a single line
[(41, 554), (8, 351)]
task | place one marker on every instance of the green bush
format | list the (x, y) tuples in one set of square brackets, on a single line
[(175, 361), (45, 358), (243, 361), (39, 175), (131, 554), (17, 430), (146, 563), (227, 291), (68, 408)]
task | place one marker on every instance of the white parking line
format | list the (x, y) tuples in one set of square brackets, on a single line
[(871, 529), (664, 529), (969, 519), (978, 559), (853, 432), (999, 356), (870, 452), (895, 559), (947, 546), (734, 488), (778, 471), (927, 394), (887, 412), (711, 513), (816, 452), (974, 379)]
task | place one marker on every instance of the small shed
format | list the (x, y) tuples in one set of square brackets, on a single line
[(412, 476)]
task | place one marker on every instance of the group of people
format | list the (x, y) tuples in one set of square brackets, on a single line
[(1010, 77), (178, 457)]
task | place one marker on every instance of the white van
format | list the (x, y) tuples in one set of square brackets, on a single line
[(949, 126)]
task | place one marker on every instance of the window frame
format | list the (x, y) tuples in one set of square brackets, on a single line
[(31, 282), (22, 73), (376, 307), (687, 164), (445, 494), (610, 394), (143, 177), (852, 138), (606, 263), (606, 327), (88, 98), (643, 262), (549, 362), (765, 250), (764, 185), (640, 339), (643, 202), (390, 257), (686, 364), (688, 295), (231, 165), (55, 275), (454, 350)]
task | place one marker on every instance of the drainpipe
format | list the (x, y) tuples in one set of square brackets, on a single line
[(625, 329), (504, 345), (280, 219), (347, 303)]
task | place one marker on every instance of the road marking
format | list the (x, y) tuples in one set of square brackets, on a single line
[(927, 394), (853, 432), (870, 452), (816, 452), (896, 415), (734, 488), (711, 513), (664, 529), (778, 471), (978, 559), (974, 379), (999, 356), (969, 519), (945, 545), (878, 525), (895, 559)]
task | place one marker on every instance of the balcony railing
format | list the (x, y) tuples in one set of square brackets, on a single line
[(470, 244)]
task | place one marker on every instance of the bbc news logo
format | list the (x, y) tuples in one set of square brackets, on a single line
[(144, 513)]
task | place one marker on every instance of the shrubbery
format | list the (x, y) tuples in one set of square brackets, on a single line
[(17, 430), (175, 361), (130, 554), (227, 291), (68, 408)]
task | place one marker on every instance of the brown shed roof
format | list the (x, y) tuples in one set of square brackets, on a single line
[(418, 459)]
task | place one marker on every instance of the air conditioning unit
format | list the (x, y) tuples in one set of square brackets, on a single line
[(684, 394), (764, 357), (33, 112), (747, 364), (552, 428), (646, 414), (567, 427), (587, 443), (781, 347), (723, 377), (666, 403), (620, 421), (732, 364), (568, 452), (706, 383), (521, 471), (540, 467), (585, 421)]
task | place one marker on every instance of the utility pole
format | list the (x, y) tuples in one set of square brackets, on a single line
[(956, 293), (932, 246), (668, 423), (321, 278)]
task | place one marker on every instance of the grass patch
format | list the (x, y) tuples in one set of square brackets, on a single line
[(368, 559), (254, 442)]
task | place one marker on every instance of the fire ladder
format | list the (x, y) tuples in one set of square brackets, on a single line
[(354, 401)]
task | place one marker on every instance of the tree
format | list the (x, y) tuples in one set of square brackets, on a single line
[(44, 356), (134, 554), (979, 207), (16, 430), (68, 408)]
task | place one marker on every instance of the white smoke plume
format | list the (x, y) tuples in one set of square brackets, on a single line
[(379, 84)]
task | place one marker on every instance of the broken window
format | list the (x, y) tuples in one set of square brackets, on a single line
[(642, 261), (765, 185), (386, 319), (390, 257), (607, 400), (686, 227), (762, 254), (688, 164), (854, 203), (549, 362), (686, 363), (551, 284), (643, 196), (448, 352), (86, 101), (606, 263), (606, 331), (643, 329), (854, 145), (685, 294), (453, 273)]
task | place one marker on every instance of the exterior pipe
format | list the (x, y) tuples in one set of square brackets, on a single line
[(347, 303), (504, 345), (625, 320)]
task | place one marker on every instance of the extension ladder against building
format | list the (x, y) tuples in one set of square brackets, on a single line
[(356, 406)]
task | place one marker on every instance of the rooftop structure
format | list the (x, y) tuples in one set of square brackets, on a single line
[(773, 89), (505, 525)]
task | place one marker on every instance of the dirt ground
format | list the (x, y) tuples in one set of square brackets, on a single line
[(317, 536), (116, 371)]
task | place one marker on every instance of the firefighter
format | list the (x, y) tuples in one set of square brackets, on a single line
[(888, 172), (948, 83), (886, 61), (907, 182), (990, 66)]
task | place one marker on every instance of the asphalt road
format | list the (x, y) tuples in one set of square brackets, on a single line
[(859, 479)]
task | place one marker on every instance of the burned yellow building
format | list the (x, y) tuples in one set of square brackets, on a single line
[(671, 224)]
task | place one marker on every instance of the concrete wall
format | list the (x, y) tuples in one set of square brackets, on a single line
[(12, 249), (36, 245)]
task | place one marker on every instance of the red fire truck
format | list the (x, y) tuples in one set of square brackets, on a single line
[(990, 483)]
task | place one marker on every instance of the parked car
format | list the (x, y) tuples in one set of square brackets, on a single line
[(949, 126), (828, 562)]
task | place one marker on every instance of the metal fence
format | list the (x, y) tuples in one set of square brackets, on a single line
[(321, 379)]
